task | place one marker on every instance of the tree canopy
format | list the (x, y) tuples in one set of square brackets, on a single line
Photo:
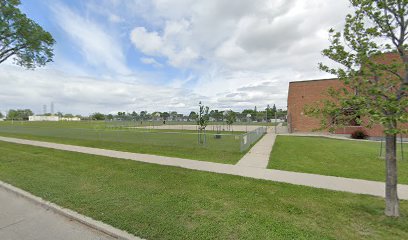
[(22, 38), (203, 116), (371, 53), (19, 114), (231, 117), (97, 116)]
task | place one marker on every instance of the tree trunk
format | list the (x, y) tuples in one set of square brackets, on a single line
[(391, 196)]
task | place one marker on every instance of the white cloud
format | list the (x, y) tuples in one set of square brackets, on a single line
[(199, 28), (171, 44), (230, 45), (76, 94), (149, 43), (228, 54), (99, 47), (151, 61)]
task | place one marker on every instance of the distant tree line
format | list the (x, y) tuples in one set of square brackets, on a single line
[(23, 114), (214, 115), (19, 114)]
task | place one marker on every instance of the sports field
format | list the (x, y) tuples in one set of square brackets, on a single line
[(173, 143)]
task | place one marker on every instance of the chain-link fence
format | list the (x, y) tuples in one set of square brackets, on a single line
[(105, 134), (121, 135), (249, 138)]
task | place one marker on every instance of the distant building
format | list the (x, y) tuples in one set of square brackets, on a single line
[(52, 118), (43, 118), (69, 119)]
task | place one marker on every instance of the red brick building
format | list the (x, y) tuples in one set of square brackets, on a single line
[(309, 92)]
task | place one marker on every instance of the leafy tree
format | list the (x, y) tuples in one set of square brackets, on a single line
[(165, 115), (273, 109), (217, 115), (192, 116), (98, 116), (203, 116), (231, 117), (250, 111), (374, 92), (260, 115), (19, 114), (202, 122), (22, 38), (109, 117), (134, 115), (174, 115), (143, 115), (281, 114), (156, 115), (68, 115), (1, 115), (270, 112)]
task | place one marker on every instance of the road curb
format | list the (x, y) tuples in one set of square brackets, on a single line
[(87, 221)]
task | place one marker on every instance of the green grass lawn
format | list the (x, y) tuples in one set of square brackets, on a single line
[(162, 202), (342, 158), (173, 143)]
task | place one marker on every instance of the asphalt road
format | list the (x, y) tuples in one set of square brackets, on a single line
[(21, 219)]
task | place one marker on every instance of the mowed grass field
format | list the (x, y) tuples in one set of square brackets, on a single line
[(341, 158), (172, 143), (162, 202)]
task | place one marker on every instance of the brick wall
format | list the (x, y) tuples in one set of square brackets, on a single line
[(308, 93)]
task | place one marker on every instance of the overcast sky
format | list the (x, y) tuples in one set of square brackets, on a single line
[(168, 55)]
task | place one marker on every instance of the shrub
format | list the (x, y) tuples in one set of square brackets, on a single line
[(359, 134)]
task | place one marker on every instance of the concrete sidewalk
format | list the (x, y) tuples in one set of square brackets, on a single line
[(24, 220), (312, 180), (258, 155)]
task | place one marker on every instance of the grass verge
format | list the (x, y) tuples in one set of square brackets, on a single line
[(341, 158)]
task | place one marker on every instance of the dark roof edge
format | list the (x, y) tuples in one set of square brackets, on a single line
[(312, 80)]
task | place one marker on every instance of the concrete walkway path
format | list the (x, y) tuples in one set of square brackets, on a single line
[(258, 155), (312, 180), (24, 220)]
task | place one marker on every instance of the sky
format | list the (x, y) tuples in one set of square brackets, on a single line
[(167, 55)]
